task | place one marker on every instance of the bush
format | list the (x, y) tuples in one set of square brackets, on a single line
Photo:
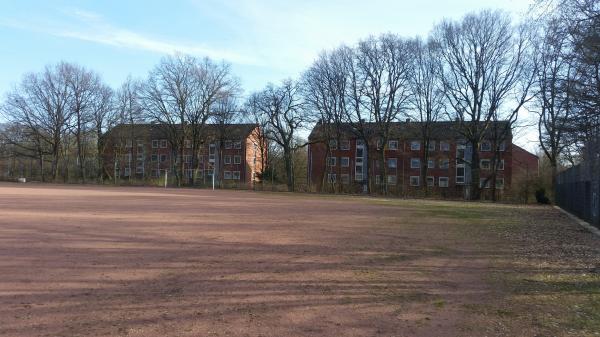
[(540, 196)]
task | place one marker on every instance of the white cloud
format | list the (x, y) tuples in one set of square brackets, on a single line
[(91, 27)]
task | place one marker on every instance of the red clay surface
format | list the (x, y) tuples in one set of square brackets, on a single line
[(101, 261)]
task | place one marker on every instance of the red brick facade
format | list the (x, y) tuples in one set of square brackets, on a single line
[(404, 156), (145, 152)]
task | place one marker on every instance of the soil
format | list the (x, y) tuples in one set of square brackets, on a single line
[(115, 261)]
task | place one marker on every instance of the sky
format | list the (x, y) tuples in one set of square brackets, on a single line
[(263, 40)]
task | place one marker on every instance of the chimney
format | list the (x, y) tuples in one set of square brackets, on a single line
[(408, 120)]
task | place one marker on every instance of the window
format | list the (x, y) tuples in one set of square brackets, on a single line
[(460, 154), (502, 146), (391, 180), (331, 161), (460, 174), (236, 175), (163, 158), (415, 145), (443, 181), (140, 156), (129, 143), (155, 143), (414, 180), (379, 144), (485, 145), (333, 144), (485, 164), (345, 161), (127, 172), (345, 178), (331, 177), (444, 163), (500, 183), (485, 182), (345, 145), (228, 144), (227, 175), (227, 160), (378, 180), (431, 146), (393, 145), (237, 145), (154, 158), (444, 146), (237, 160), (392, 163), (139, 170), (501, 165), (187, 158), (415, 163), (163, 143), (430, 181), (187, 144), (212, 150), (430, 163)]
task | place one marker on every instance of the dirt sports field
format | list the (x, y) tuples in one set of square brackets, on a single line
[(105, 261)]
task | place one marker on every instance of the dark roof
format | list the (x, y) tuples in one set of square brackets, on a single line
[(439, 130), (209, 130)]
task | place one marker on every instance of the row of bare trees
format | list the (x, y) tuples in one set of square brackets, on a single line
[(567, 101), (59, 116), (476, 71)]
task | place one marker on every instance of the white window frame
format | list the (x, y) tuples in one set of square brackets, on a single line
[(415, 145), (227, 175), (488, 146), (445, 180), (392, 179), (333, 145), (444, 163), (489, 164), (431, 146), (237, 160), (127, 172), (161, 158), (345, 161), (331, 178), (500, 183), (235, 175), (390, 161), (228, 144), (501, 165), (227, 159), (331, 161), (430, 163), (155, 143), (412, 180), (430, 181), (395, 145), (237, 144), (345, 145), (412, 162), (163, 143), (444, 146)]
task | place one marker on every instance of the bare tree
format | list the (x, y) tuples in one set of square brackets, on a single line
[(284, 112), (484, 61), (324, 92), (427, 100), (40, 107), (554, 103)]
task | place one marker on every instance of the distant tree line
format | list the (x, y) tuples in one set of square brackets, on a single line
[(476, 71)]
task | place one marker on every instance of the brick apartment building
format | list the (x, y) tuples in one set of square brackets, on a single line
[(232, 152), (344, 165)]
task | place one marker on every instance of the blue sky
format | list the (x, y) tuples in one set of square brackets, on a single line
[(264, 40)]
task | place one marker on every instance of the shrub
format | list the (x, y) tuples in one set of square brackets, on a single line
[(540, 196)]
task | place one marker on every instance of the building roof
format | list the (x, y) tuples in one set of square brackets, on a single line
[(439, 130), (233, 131)]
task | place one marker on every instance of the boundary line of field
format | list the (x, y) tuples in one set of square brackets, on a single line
[(582, 223)]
